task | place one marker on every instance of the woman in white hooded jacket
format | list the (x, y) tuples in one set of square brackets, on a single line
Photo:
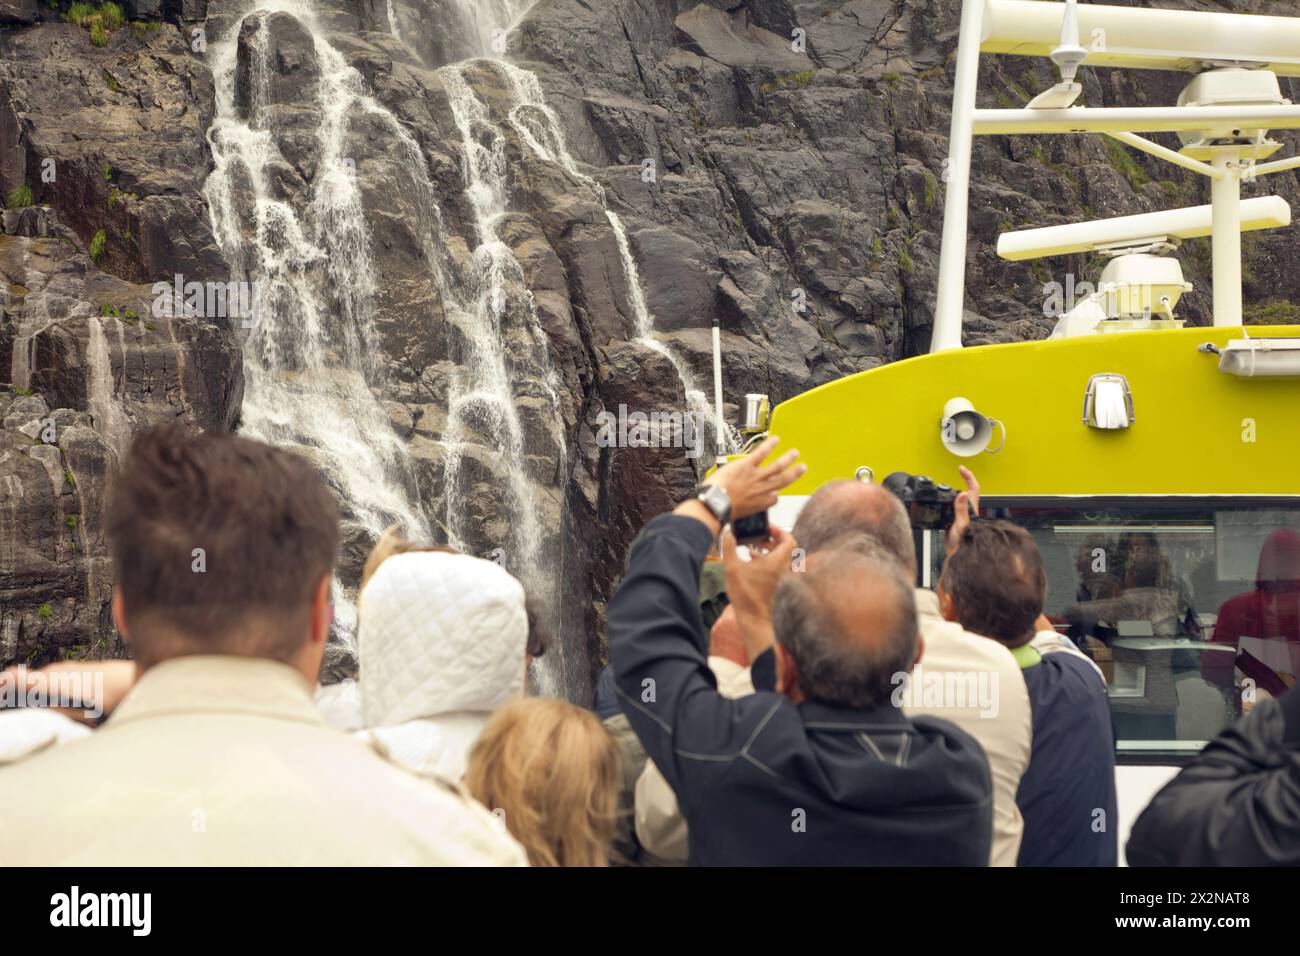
[(442, 641)]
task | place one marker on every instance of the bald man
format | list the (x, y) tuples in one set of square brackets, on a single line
[(822, 769), (962, 677)]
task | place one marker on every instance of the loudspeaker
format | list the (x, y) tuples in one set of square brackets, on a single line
[(965, 432)]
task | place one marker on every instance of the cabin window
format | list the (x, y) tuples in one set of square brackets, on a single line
[(1190, 607)]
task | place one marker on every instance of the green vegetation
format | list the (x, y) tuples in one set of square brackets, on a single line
[(101, 21), (150, 326), (931, 72), (891, 78), (71, 522), (109, 312), (1272, 312), (67, 476), (23, 392), (143, 28), (931, 189), (1125, 164), (45, 612), (80, 14), (130, 316), (97, 244), (788, 81), (20, 197), (905, 264), (110, 82), (108, 172)]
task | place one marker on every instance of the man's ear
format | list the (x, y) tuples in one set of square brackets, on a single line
[(787, 672), (119, 615), (946, 608), (322, 612)]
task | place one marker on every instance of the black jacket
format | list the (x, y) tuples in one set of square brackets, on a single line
[(1236, 804), (763, 781)]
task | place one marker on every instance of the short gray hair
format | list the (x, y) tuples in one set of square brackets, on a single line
[(837, 509), (835, 666)]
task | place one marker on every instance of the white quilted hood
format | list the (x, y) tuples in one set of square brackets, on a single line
[(440, 636)]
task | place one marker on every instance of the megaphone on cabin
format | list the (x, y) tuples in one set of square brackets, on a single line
[(965, 432)]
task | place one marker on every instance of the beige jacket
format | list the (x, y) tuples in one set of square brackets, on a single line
[(1004, 729), (1001, 722), (219, 760)]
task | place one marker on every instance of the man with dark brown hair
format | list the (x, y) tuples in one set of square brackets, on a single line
[(994, 584), (222, 551)]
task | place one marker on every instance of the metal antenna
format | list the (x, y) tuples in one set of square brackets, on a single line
[(1068, 57)]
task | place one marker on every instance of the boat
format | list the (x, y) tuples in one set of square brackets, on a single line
[(1156, 464)]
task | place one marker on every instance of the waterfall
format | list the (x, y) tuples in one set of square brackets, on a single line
[(539, 128), (483, 388), (697, 401), (109, 418), (305, 365), (487, 22), (309, 365)]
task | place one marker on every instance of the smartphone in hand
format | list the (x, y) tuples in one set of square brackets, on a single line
[(752, 529)]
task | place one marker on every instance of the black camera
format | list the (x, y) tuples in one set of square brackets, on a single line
[(930, 506)]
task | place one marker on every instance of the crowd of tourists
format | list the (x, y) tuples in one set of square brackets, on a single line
[(793, 701)]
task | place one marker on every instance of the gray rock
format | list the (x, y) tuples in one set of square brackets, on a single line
[(18, 12)]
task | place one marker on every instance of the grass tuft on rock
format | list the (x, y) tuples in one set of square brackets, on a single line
[(20, 197), (97, 244)]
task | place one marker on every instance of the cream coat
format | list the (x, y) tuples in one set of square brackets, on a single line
[(219, 760)]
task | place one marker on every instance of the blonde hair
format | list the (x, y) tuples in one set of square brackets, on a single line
[(554, 771), (391, 543)]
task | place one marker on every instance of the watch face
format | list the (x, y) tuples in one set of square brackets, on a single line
[(716, 500)]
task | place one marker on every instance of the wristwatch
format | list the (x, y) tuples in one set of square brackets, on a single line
[(716, 500)]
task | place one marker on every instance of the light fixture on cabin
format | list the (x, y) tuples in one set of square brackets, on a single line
[(758, 411), (1252, 357), (1108, 402), (965, 432)]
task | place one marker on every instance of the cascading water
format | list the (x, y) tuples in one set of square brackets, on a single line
[(538, 126), (308, 366), (483, 390), (305, 360)]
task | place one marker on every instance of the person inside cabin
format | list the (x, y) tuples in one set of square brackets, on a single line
[(816, 767), (1262, 626), (1151, 602), (220, 735), (993, 584)]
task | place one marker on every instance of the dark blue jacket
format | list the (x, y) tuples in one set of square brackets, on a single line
[(762, 781), (1067, 793)]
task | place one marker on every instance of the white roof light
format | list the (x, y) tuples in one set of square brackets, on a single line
[(1260, 357)]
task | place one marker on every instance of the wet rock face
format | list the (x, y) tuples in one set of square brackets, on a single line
[(88, 363), (777, 165)]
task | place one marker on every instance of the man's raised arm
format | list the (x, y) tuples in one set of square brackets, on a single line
[(658, 645)]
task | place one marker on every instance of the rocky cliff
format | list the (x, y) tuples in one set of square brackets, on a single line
[(471, 230)]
